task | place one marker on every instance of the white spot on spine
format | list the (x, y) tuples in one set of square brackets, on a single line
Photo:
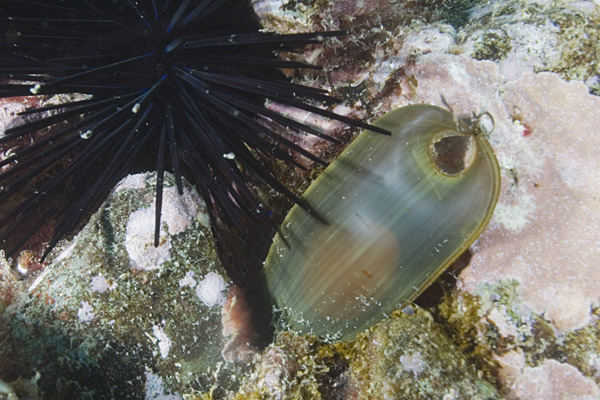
[(86, 135), (35, 89)]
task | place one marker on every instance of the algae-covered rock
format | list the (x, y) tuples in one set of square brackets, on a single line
[(406, 356), (495, 327), (532, 36), (112, 316), (292, 367)]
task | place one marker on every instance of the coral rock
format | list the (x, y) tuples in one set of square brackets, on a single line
[(108, 325)]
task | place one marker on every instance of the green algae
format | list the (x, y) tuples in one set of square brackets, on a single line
[(581, 348), (571, 35), (579, 45), (455, 12), (493, 45), (299, 364)]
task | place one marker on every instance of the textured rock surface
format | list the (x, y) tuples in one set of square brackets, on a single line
[(409, 357), (498, 329), (117, 317), (405, 356), (544, 233), (534, 36), (551, 380)]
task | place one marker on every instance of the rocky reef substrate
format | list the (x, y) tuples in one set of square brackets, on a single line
[(110, 316)]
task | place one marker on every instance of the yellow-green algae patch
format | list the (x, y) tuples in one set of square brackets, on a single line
[(409, 357), (406, 356), (493, 321), (559, 37)]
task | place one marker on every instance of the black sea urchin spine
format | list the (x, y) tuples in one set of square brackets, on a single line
[(145, 85)]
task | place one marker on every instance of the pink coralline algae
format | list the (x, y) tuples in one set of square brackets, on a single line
[(544, 233), (545, 229)]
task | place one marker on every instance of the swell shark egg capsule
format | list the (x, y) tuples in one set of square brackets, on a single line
[(399, 209)]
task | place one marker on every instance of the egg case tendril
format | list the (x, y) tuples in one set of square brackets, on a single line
[(174, 86)]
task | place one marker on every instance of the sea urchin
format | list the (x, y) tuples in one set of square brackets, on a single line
[(146, 85)]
